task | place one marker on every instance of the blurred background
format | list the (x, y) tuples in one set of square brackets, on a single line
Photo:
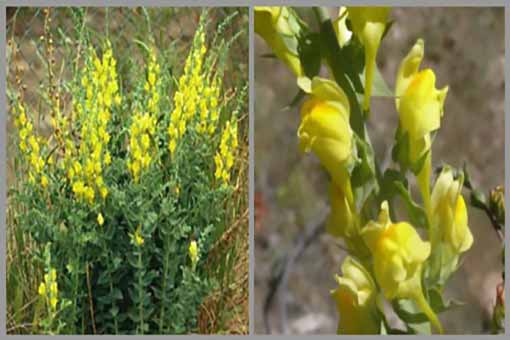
[(465, 48)]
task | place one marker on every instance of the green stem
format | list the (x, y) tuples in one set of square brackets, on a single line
[(164, 288), (115, 324), (423, 304), (140, 290), (424, 183), (369, 78)]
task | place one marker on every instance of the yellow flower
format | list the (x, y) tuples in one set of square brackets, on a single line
[(78, 188), (139, 239), (399, 254), (449, 230), (272, 24), (369, 24), (419, 103), (100, 219), (44, 181), (104, 192), (355, 300), (449, 212), (420, 107), (53, 302), (42, 289), (54, 288), (193, 252), (325, 130), (107, 159)]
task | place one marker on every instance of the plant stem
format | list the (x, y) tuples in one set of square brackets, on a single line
[(423, 304), (140, 289), (115, 324), (163, 288), (91, 303), (423, 179)]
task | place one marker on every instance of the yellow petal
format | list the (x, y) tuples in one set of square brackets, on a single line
[(421, 105), (408, 69)]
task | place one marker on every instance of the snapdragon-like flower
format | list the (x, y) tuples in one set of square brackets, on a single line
[(224, 158), (100, 219), (325, 130), (209, 106), (136, 237), (101, 92), (398, 258), (193, 253), (355, 300), (190, 89), (142, 130), (29, 145), (48, 289), (450, 233), (369, 24), (280, 31), (420, 107)]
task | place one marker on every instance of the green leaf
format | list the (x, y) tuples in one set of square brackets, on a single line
[(417, 214), (310, 54), (363, 175), (408, 311), (379, 86)]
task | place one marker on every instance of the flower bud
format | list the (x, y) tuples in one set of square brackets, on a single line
[(193, 253), (355, 300), (449, 213), (449, 230), (497, 204), (369, 24), (273, 24)]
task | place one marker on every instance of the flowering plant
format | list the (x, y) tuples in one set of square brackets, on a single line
[(401, 254), (130, 191)]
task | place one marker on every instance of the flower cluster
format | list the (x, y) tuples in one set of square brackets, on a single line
[(209, 108), (387, 256), (143, 126), (29, 145), (141, 131), (224, 158), (190, 92), (49, 289), (153, 84), (85, 165)]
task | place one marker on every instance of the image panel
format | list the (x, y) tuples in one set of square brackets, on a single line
[(379, 170), (127, 164)]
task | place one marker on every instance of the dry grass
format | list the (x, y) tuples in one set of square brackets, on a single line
[(226, 309)]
